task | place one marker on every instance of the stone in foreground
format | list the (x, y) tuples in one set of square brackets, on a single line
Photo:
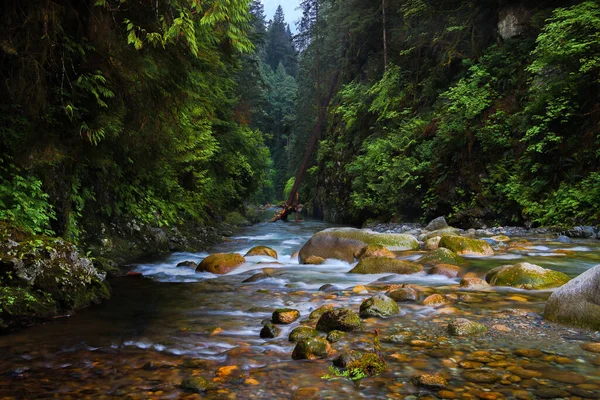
[(383, 265), (464, 327), (285, 315), (525, 276), (577, 303), (302, 332), (196, 384), (220, 263), (269, 331), (379, 306), (311, 349), (341, 319)]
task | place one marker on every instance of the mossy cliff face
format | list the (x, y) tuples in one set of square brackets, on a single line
[(41, 277)]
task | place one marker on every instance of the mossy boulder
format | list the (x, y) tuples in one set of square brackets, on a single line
[(302, 332), (465, 327), (341, 319), (261, 251), (441, 256), (269, 331), (316, 314), (311, 349), (196, 384), (379, 305), (448, 270), (220, 263), (577, 303), (383, 265), (466, 246), (236, 219), (369, 364), (374, 250), (432, 243), (285, 315), (343, 243), (447, 231), (41, 277), (335, 336), (405, 294), (525, 276)]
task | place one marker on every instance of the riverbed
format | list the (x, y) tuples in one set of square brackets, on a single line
[(174, 323)]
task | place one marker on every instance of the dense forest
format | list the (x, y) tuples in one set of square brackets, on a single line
[(179, 112)]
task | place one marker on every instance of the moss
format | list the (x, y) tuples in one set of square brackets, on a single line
[(380, 265), (302, 332), (393, 241), (341, 319), (196, 384), (236, 219), (21, 306), (370, 364), (441, 256), (466, 246), (379, 306), (374, 250), (526, 276), (311, 349)]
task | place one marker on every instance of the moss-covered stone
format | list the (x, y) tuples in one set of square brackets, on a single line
[(526, 276), (196, 384), (441, 256), (269, 331), (447, 231), (464, 327), (432, 243), (302, 332), (285, 315), (236, 219), (311, 349), (316, 314), (220, 263), (449, 270), (434, 300), (383, 265), (374, 250), (428, 381), (344, 359), (341, 319), (343, 243), (404, 294), (261, 251), (335, 336), (466, 246), (379, 306), (369, 364), (577, 303)]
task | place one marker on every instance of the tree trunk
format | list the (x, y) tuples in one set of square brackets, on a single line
[(385, 48)]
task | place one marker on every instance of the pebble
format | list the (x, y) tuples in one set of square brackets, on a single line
[(481, 376), (591, 347), (430, 381), (565, 377), (434, 299), (447, 394), (549, 393), (530, 353)]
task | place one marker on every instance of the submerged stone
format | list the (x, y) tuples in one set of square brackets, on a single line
[(379, 306), (428, 381), (335, 336), (526, 276), (196, 384), (404, 294), (464, 327), (448, 270)]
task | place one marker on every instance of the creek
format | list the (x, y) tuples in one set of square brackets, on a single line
[(174, 323)]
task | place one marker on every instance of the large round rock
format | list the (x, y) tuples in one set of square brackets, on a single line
[(261, 251), (379, 306), (384, 265), (466, 246), (577, 303), (343, 243), (525, 276), (341, 319), (441, 256), (220, 263), (311, 349)]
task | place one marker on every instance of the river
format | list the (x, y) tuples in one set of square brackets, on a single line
[(174, 323)]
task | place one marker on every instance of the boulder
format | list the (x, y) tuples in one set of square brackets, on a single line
[(374, 250), (441, 256), (345, 359), (577, 303), (525, 276), (311, 349), (448, 231), (449, 270), (437, 224), (302, 332), (343, 243), (257, 278), (379, 305), (269, 331), (187, 264), (432, 243), (261, 251), (464, 327), (341, 319), (404, 294), (220, 263), (285, 316), (196, 384), (466, 246), (335, 336), (383, 265), (317, 313)]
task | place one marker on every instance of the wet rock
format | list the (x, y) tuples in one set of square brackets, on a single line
[(369, 364), (449, 270), (435, 382), (341, 319), (344, 359), (404, 294), (466, 246), (269, 331), (525, 276), (529, 353), (591, 347), (285, 315), (474, 283), (379, 306), (464, 327), (311, 349), (261, 251), (335, 336), (316, 314), (577, 303), (432, 243), (343, 243), (196, 384), (436, 224), (564, 239), (374, 250), (314, 260), (565, 377), (257, 278), (441, 256), (381, 265), (302, 332), (434, 300), (220, 263), (187, 264), (328, 287), (500, 238), (448, 231), (481, 376)]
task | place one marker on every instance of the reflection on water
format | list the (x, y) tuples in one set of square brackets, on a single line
[(176, 322)]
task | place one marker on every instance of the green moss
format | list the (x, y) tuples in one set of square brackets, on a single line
[(341, 319), (21, 306), (380, 265), (302, 332), (467, 246), (526, 276), (393, 241), (379, 306), (441, 256), (311, 349), (236, 219)]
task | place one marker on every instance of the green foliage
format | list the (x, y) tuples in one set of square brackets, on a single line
[(288, 187), (354, 374)]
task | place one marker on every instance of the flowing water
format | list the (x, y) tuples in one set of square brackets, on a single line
[(175, 323)]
